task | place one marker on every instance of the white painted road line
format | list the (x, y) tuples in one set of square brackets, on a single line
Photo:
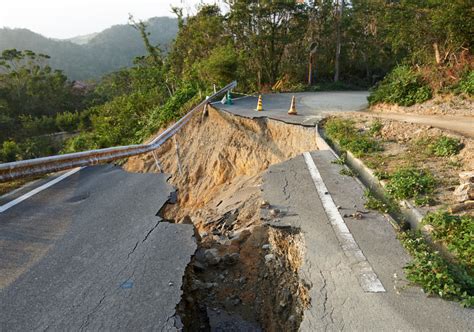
[(20, 199), (368, 280)]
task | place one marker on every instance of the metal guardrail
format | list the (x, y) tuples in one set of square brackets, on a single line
[(18, 169)]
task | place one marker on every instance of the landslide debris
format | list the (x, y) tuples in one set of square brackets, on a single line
[(244, 275)]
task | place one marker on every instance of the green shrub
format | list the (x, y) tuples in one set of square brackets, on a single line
[(410, 183), (403, 87), (10, 151), (466, 85), (434, 274), (445, 146), (456, 231), (81, 142), (171, 110), (35, 126), (41, 146), (67, 121)]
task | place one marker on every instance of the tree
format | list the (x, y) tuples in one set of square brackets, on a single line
[(28, 85), (265, 32)]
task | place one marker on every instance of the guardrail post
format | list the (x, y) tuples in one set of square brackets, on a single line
[(176, 144), (157, 162), (205, 111)]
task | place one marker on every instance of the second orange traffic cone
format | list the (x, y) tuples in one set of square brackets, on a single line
[(259, 104), (292, 110)]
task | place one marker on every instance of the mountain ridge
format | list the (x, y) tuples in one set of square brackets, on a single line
[(105, 52)]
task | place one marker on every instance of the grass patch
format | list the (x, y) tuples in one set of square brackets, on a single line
[(343, 132), (445, 146), (410, 182), (434, 274)]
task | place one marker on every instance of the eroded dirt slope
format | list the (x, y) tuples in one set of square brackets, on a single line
[(244, 274)]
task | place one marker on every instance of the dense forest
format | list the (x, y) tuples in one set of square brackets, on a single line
[(96, 55), (407, 50)]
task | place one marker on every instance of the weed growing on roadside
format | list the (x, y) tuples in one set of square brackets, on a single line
[(343, 132), (347, 172), (424, 200), (375, 128), (445, 146), (341, 160), (434, 274), (382, 175), (374, 203), (457, 232), (410, 182)]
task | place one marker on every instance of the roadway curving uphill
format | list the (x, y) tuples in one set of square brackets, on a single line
[(90, 253)]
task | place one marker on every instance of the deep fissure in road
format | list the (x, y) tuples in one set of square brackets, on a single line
[(244, 274)]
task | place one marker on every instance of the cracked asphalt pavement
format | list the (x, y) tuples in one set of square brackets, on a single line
[(338, 301), (90, 253)]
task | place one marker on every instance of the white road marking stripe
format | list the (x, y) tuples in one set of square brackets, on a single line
[(368, 280), (20, 199)]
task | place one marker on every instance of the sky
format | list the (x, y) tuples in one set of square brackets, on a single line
[(70, 18)]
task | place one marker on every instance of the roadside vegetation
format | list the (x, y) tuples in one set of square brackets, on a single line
[(421, 171)]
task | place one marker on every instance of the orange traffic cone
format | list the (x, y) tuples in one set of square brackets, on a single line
[(292, 110), (259, 104)]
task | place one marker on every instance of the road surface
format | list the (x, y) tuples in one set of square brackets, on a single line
[(90, 253), (311, 106), (463, 125)]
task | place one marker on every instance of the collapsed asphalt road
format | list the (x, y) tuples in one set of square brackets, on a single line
[(90, 253)]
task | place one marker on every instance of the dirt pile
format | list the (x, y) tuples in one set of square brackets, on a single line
[(244, 274)]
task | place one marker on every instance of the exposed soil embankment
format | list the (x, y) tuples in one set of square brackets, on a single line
[(244, 274), (440, 105)]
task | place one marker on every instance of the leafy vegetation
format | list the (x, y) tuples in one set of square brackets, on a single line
[(403, 87), (347, 172), (374, 203), (466, 84), (445, 146), (410, 182), (375, 128), (344, 133), (429, 270), (457, 232)]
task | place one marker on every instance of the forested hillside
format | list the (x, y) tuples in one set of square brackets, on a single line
[(109, 50)]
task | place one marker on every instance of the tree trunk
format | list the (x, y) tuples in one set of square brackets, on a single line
[(437, 55), (339, 9)]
